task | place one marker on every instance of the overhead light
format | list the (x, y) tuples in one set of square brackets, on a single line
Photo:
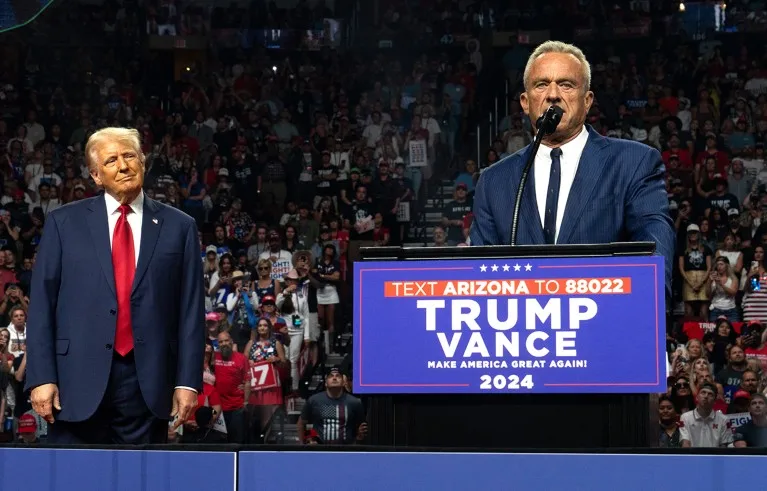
[(681, 7)]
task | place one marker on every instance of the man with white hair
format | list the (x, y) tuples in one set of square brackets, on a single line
[(583, 188), (116, 325)]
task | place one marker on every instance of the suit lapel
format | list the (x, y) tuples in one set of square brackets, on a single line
[(150, 231), (98, 225), (587, 177), (529, 216)]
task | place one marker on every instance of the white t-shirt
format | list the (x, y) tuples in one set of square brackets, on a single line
[(719, 299), (713, 431), (282, 265)]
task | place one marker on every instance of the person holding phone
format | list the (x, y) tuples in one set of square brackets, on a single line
[(755, 297), (722, 288)]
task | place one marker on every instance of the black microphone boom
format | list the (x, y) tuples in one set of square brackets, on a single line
[(545, 125)]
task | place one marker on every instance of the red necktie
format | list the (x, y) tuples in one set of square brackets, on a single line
[(124, 265)]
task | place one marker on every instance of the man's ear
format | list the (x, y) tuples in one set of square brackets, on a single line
[(96, 178)]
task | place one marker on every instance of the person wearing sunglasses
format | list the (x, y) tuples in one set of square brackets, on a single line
[(265, 285), (681, 395)]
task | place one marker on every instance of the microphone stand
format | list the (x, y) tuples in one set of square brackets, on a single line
[(533, 151)]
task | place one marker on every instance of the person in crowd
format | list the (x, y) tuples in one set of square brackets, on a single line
[(337, 416), (731, 376), (754, 432), (702, 426), (264, 347), (694, 266), (232, 383), (670, 436), (722, 288)]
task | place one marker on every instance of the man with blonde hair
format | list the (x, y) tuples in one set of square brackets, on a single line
[(116, 325), (583, 188)]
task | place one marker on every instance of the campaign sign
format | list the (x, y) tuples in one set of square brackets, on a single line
[(263, 375), (551, 325)]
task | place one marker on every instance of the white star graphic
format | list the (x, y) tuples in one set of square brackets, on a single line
[(505, 267), (483, 268), (517, 267), (528, 267), (494, 268)]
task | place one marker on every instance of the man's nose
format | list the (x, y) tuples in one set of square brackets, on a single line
[(553, 93)]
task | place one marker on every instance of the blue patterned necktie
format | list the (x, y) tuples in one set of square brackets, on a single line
[(552, 198)]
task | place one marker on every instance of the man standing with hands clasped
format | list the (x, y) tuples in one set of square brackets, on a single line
[(116, 325)]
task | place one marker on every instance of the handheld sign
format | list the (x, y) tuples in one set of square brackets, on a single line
[(552, 325), (263, 376)]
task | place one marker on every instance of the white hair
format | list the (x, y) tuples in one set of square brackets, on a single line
[(127, 136), (558, 47)]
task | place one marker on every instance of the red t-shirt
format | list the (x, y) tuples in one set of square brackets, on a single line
[(230, 375), (209, 392)]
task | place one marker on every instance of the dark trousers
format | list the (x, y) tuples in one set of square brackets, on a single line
[(236, 425), (122, 417)]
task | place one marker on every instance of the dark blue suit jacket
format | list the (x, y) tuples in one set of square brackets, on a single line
[(72, 316), (618, 195)]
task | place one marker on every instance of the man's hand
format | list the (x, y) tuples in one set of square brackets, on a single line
[(184, 402), (45, 398), (362, 432)]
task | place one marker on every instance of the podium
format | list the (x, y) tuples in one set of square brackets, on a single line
[(499, 346)]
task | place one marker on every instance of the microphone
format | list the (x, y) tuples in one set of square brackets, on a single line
[(545, 125), (549, 121)]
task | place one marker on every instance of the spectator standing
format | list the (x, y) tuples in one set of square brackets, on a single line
[(337, 416), (233, 386)]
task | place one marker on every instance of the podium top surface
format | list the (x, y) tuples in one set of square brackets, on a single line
[(527, 251)]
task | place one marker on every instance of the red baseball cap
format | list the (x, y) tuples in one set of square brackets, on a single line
[(27, 424)]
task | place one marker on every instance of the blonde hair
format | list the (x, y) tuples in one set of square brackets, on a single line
[(558, 47), (127, 136), (264, 262)]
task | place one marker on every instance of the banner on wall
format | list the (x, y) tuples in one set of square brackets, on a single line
[(554, 325), (696, 330)]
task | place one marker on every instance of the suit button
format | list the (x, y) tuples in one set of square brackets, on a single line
[(112, 311), (108, 346), (140, 340)]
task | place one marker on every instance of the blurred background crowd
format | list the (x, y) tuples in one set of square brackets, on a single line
[(297, 131)]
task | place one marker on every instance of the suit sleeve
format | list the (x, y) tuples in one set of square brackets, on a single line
[(191, 327), (483, 230), (647, 214), (41, 324)]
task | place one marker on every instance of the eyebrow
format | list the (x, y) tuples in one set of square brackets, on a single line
[(558, 81)]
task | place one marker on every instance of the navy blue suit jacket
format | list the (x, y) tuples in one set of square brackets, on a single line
[(72, 316), (618, 195)]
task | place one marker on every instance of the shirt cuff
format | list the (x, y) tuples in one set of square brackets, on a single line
[(186, 388)]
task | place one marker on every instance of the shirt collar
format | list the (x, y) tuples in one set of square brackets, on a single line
[(573, 147), (700, 416), (112, 204)]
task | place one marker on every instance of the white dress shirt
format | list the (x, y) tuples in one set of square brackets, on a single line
[(571, 156), (134, 220)]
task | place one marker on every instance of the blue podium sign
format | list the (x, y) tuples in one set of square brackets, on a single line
[(116, 470), (552, 325)]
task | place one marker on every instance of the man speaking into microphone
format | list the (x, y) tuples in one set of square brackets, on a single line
[(583, 188)]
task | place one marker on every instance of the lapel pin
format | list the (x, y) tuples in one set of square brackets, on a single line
[(154, 220)]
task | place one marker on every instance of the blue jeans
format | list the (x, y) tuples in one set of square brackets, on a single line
[(733, 315)]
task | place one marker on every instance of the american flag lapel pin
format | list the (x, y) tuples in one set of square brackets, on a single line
[(154, 220)]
